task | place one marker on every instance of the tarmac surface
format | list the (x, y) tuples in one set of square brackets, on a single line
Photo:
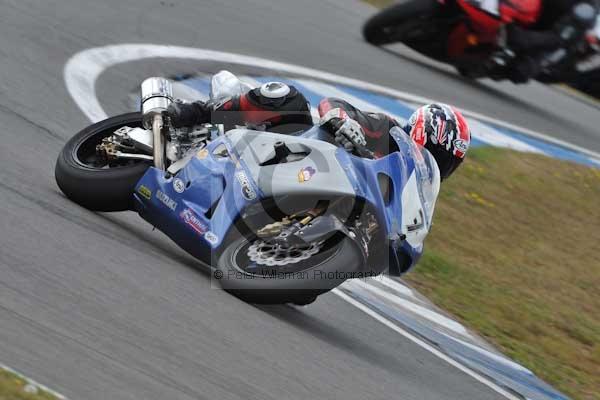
[(99, 306)]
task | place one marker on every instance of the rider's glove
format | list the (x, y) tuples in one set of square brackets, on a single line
[(187, 114), (349, 134), (347, 131)]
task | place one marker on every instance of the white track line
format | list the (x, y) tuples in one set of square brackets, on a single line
[(419, 342), (326, 90), (421, 311), (186, 92), (394, 285), (494, 356), (496, 138), (84, 68)]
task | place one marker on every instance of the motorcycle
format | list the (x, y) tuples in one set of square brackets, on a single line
[(279, 218), (475, 37), (586, 72)]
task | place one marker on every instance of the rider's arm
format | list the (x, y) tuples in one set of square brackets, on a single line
[(230, 111), (376, 126), (282, 115)]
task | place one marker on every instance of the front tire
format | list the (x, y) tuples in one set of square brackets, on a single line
[(379, 29), (83, 178), (331, 267)]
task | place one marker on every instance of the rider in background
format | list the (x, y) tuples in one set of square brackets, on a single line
[(561, 25), (277, 107)]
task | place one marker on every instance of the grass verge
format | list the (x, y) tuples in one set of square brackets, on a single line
[(514, 254), (13, 387)]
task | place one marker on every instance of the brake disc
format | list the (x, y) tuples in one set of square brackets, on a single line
[(269, 254)]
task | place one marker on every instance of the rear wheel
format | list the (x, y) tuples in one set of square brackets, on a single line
[(400, 22), (90, 180)]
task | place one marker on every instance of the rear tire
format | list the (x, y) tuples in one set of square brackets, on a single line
[(92, 186), (377, 29), (344, 258)]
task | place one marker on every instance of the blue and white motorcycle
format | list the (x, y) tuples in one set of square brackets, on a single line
[(278, 218)]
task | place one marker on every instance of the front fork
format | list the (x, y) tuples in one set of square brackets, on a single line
[(158, 142)]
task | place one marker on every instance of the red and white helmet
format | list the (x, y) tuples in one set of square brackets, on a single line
[(443, 131)]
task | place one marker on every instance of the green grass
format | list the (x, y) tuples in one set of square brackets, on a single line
[(514, 254), (12, 387)]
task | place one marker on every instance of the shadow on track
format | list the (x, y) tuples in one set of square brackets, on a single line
[(331, 334)]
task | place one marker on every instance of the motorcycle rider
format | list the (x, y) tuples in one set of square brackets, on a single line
[(277, 107), (552, 39), (440, 128)]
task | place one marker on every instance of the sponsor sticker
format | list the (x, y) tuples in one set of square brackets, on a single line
[(145, 192), (191, 219), (166, 200), (461, 145), (247, 190), (306, 174), (211, 238), (178, 185)]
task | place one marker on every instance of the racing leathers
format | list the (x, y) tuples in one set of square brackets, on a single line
[(277, 107), (273, 107)]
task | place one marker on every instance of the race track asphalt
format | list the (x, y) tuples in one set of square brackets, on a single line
[(100, 306)]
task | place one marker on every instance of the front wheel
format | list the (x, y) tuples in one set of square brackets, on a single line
[(258, 272), (93, 182), (399, 22)]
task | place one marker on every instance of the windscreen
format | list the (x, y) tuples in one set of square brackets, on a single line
[(426, 169)]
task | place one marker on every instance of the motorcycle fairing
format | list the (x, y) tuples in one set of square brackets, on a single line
[(491, 13), (327, 178), (415, 179), (225, 179), (485, 18), (215, 194)]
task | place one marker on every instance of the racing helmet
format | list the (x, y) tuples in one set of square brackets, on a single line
[(443, 131)]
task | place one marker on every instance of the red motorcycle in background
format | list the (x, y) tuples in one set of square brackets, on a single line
[(471, 35)]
